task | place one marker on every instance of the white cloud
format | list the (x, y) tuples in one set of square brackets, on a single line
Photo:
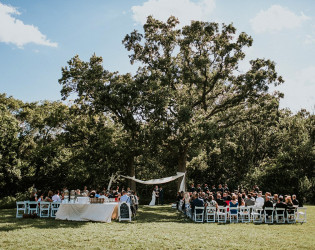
[(299, 90), (276, 18), (14, 31), (309, 39), (184, 10)]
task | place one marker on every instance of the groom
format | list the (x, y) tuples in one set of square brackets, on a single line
[(156, 190)]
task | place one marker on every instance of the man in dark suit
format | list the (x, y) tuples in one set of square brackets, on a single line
[(198, 202), (294, 200), (268, 203), (192, 188), (220, 201), (281, 204), (220, 189), (206, 188), (161, 196), (157, 202)]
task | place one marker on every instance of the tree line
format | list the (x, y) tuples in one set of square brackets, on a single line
[(187, 108)]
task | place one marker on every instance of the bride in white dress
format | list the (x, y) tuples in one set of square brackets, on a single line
[(152, 203)]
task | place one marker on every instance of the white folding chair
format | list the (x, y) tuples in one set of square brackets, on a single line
[(32, 207), (44, 209), (222, 214), (180, 205), (257, 215), (280, 215), (291, 217), (54, 208), (210, 214), (301, 215), (124, 211), (245, 214), (233, 214), (198, 214), (268, 214), (188, 212), (20, 207)]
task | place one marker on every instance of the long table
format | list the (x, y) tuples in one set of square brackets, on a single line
[(87, 212)]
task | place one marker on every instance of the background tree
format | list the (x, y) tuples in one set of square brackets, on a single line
[(191, 78)]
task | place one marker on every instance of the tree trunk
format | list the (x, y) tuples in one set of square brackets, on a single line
[(131, 172), (182, 159)]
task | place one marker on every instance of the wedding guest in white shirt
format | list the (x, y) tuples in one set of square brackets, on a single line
[(56, 197), (259, 200)]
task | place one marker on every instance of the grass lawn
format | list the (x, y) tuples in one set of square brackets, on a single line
[(155, 228)]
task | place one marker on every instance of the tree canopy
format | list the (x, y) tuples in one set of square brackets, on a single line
[(189, 107)]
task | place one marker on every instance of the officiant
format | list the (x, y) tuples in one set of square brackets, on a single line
[(161, 196)]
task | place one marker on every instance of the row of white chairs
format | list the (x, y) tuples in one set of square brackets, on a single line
[(43, 209), (247, 214)]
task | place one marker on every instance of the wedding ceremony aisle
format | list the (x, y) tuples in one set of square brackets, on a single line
[(155, 227)]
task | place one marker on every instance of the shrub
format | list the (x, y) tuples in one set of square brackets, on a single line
[(7, 202)]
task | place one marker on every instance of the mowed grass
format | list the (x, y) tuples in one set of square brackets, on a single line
[(158, 227)]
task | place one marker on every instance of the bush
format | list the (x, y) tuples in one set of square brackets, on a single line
[(7, 202)]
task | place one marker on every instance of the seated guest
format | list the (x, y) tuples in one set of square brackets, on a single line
[(240, 200), (124, 197), (92, 194), (294, 200), (192, 188), (220, 189), (281, 204), (56, 197), (211, 202), (268, 203), (226, 189), (275, 199), (256, 188), (198, 188), (233, 203), (228, 200), (40, 197), (33, 197), (214, 191), (206, 188), (97, 194), (220, 201), (49, 196), (290, 208), (103, 196), (259, 200), (197, 202), (249, 201), (78, 193), (85, 192), (225, 194)]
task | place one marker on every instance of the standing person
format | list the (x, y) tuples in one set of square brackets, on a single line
[(161, 196), (152, 203), (157, 196)]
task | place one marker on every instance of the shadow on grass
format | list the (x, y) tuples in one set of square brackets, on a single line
[(148, 214), (8, 222)]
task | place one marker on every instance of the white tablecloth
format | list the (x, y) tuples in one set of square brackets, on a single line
[(86, 212)]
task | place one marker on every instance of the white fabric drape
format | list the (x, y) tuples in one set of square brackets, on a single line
[(161, 180), (86, 212)]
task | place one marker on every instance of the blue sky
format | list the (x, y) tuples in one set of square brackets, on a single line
[(38, 37)]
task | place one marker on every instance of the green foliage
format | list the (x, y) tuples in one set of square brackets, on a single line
[(187, 108)]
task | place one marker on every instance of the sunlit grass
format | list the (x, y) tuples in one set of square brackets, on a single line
[(155, 228)]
